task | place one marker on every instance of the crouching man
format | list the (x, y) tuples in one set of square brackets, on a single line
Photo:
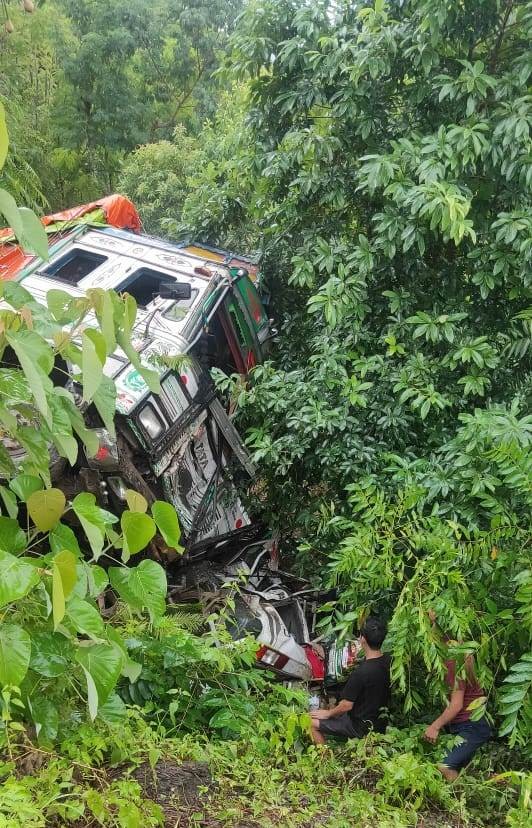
[(365, 694), (464, 695)]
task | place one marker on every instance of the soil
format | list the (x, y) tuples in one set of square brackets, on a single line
[(178, 787)]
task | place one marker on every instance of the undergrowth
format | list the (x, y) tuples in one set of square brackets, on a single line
[(272, 779), (205, 707)]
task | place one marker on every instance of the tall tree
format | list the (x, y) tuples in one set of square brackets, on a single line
[(136, 70), (387, 172), (389, 181)]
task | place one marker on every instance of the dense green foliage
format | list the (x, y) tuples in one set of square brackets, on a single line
[(379, 154), (385, 169), (86, 81)]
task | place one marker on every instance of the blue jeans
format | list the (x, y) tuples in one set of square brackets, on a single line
[(474, 734)]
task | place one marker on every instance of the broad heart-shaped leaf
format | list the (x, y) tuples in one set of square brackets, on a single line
[(167, 523), (130, 669), (138, 531), (135, 501), (10, 502), (63, 582), (15, 651), (102, 664), (93, 353), (51, 654), (33, 237), (17, 296), (82, 580), (92, 694), (36, 360), (63, 306), (142, 587), (113, 711), (46, 507), (62, 537), (93, 519), (105, 401), (150, 377), (17, 578), (45, 718), (61, 430), (4, 138), (85, 618), (58, 597), (24, 485), (65, 562), (103, 306), (12, 538), (35, 445), (97, 580), (9, 209)]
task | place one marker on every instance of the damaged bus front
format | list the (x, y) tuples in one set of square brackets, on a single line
[(194, 313)]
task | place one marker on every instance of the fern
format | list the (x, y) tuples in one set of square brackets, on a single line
[(186, 618)]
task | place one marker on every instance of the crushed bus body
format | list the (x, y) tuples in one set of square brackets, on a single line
[(198, 308)]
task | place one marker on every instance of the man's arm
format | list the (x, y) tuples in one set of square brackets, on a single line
[(453, 708), (343, 706)]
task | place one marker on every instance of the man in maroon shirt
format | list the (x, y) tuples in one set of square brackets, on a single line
[(456, 718)]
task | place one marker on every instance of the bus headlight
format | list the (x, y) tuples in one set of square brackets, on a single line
[(151, 422)]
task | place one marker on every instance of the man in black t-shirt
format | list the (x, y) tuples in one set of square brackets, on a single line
[(364, 696)]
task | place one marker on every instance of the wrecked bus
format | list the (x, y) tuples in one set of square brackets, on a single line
[(200, 304), (180, 445)]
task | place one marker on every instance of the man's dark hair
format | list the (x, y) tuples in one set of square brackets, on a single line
[(374, 631)]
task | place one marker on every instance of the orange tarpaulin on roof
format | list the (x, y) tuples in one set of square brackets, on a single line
[(117, 210)]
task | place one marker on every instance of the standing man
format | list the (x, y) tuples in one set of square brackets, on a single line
[(364, 696), (456, 718)]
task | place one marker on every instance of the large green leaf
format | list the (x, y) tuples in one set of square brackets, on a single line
[(17, 578), (135, 501), (46, 507), (130, 669), (17, 296), (9, 209), (61, 431), (15, 651), (104, 308), (36, 360), (85, 618), (10, 502), (105, 401), (102, 663), (93, 356), (62, 537), (33, 237), (125, 312), (138, 531), (63, 581), (142, 587), (97, 580), (45, 718), (24, 485), (12, 538), (63, 306), (93, 519), (38, 460), (166, 519), (113, 711), (51, 654), (66, 562)]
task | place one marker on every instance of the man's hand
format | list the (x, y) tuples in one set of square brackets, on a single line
[(431, 734), (320, 714)]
